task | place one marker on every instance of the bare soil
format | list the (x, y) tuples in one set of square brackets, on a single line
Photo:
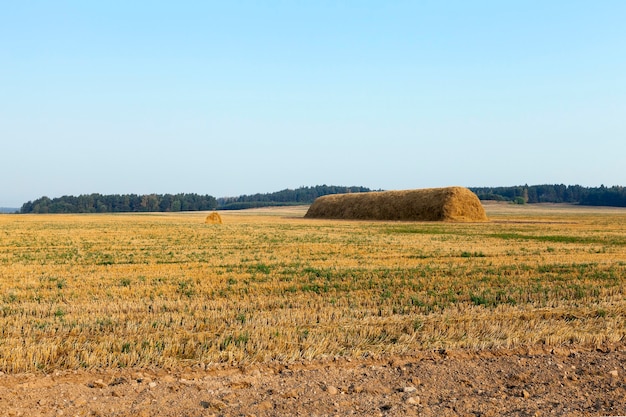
[(523, 382)]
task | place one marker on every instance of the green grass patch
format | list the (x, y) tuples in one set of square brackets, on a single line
[(557, 238)]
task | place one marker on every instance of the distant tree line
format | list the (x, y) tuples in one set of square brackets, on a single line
[(556, 193), (116, 203), (302, 195)]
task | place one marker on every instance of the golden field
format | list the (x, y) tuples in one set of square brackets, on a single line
[(168, 290)]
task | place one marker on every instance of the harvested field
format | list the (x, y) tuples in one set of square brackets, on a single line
[(430, 204), (96, 301)]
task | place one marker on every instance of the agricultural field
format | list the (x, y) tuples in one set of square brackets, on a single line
[(94, 293), (85, 291)]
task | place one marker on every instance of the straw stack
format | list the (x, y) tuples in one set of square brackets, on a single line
[(457, 204)]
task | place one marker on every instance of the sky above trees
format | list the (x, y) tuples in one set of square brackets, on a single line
[(230, 98)]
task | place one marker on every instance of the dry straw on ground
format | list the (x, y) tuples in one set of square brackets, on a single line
[(430, 204), (141, 290), (213, 218)]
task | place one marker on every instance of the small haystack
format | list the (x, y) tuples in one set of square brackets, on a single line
[(431, 204), (213, 218)]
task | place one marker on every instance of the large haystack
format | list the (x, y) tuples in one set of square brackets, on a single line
[(431, 204)]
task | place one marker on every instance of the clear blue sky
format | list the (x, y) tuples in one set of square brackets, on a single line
[(237, 97)]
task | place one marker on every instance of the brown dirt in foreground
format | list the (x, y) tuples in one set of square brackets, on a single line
[(488, 383)]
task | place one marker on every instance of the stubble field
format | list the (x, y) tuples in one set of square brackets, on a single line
[(167, 292), (85, 291)]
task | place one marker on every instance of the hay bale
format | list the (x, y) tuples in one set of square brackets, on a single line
[(213, 218), (431, 204)]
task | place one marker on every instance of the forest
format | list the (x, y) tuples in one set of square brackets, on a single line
[(302, 195), (116, 203), (97, 203), (555, 193)]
